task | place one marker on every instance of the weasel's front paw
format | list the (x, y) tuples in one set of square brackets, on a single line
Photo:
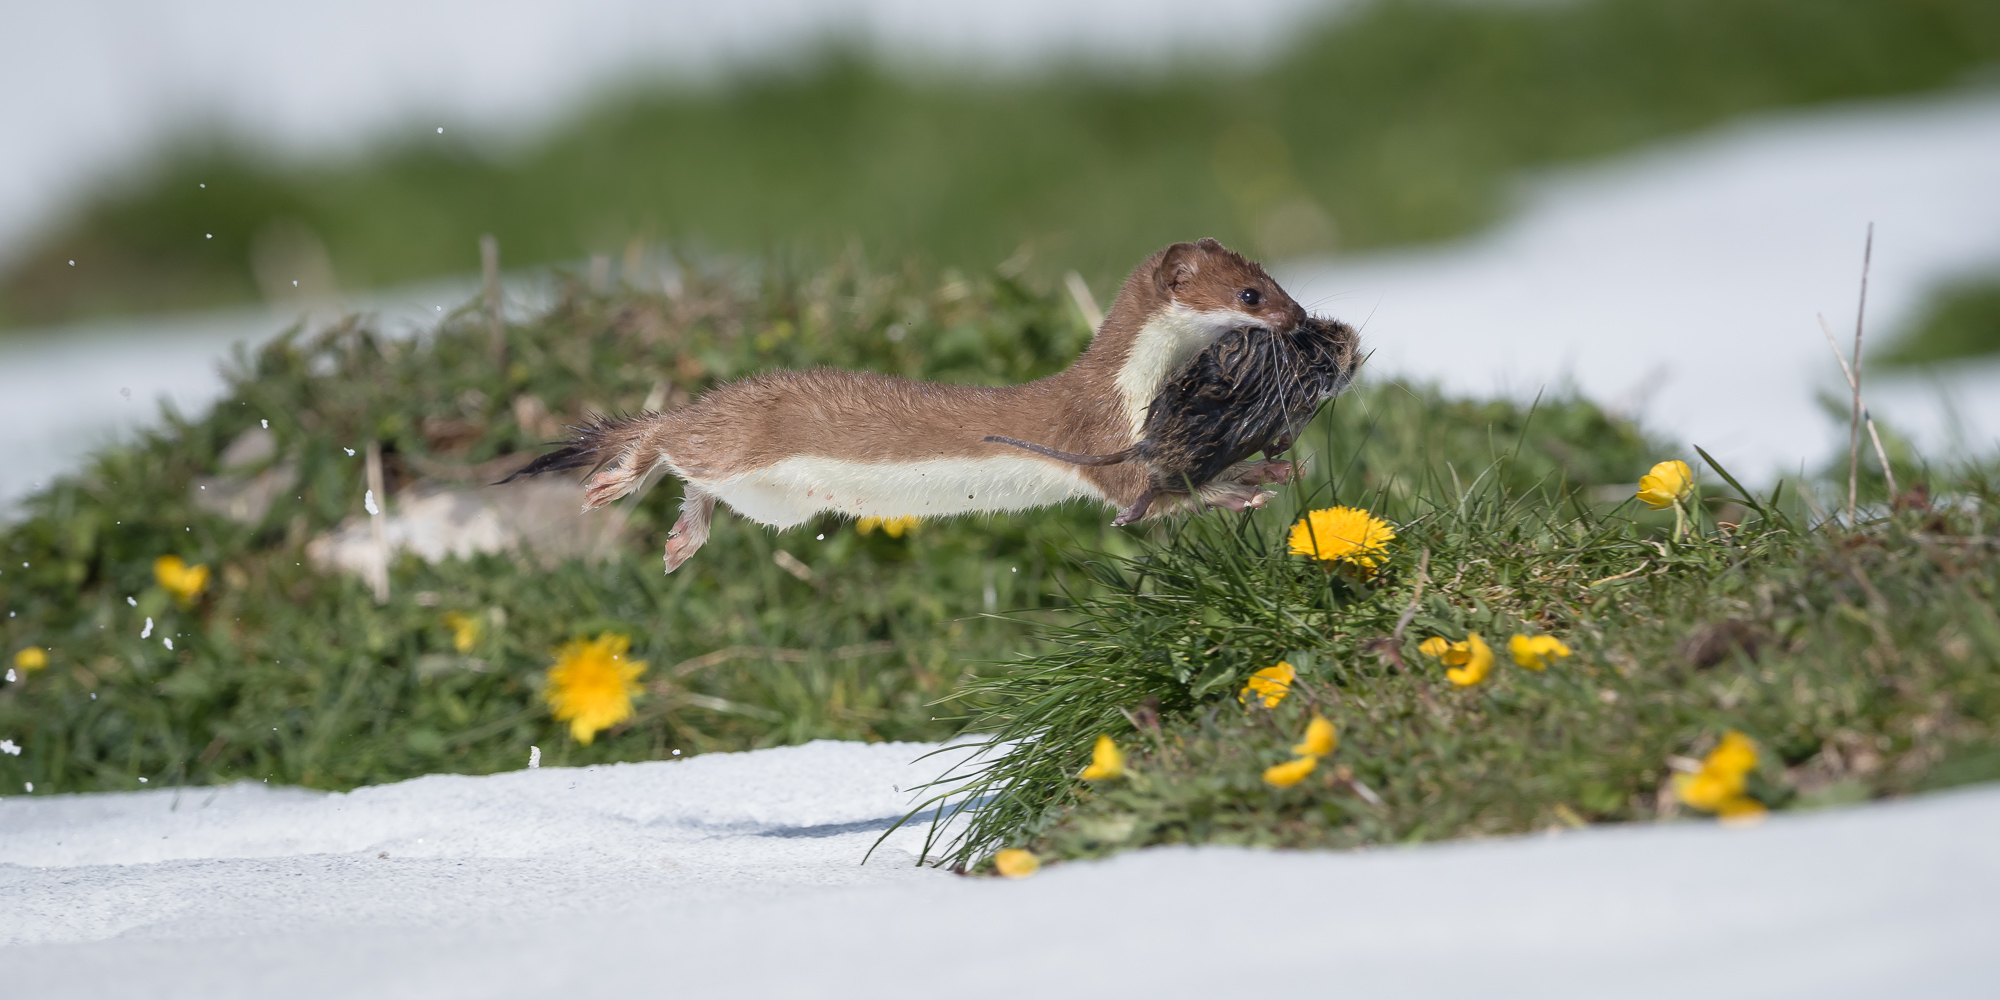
[(1240, 498), (1275, 471), (610, 484)]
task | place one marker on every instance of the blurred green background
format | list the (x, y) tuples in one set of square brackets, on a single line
[(1386, 123)]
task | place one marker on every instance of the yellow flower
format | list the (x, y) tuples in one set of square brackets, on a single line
[(1734, 753), (1106, 761), (1718, 786), (1016, 863), (464, 631), (1470, 660), (176, 577), (1270, 684), (591, 684), (1667, 483), (1320, 738), (891, 526), (31, 658), (1535, 651), (1343, 535), (1741, 809), (1478, 660), (1290, 772)]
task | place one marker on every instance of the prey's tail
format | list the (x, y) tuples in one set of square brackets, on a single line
[(1115, 458), (624, 448)]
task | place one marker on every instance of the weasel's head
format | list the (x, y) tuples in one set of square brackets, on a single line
[(1215, 282)]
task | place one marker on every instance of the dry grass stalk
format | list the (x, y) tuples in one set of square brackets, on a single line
[(1086, 303), (489, 267), (378, 573), (1854, 381)]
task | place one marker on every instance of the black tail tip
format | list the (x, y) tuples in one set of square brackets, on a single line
[(571, 457)]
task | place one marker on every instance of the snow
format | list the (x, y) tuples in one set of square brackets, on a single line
[(739, 875), (1682, 284), (549, 840)]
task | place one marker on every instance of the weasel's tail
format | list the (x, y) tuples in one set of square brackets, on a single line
[(622, 443), (1115, 458)]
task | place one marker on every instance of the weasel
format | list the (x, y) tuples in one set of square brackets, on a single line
[(1252, 390), (781, 447)]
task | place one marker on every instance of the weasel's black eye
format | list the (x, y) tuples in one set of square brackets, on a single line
[(1250, 296)]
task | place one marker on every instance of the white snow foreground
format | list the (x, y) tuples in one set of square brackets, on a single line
[(738, 875)]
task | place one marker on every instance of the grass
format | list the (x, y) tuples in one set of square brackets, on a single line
[(1963, 321), (1863, 661), (1400, 121)]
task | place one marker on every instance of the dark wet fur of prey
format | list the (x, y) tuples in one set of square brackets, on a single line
[(1252, 390)]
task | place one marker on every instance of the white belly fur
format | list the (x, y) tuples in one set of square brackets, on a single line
[(1165, 343), (790, 492)]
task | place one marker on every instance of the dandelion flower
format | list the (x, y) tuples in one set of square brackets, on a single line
[(591, 684), (1536, 651), (1470, 661), (1476, 658), (1016, 863), (1735, 753), (1270, 684), (1718, 786), (31, 659), (178, 578), (1320, 738), (464, 631), (1106, 761), (1290, 772), (1741, 809), (1343, 535), (891, 526), (1667, 484)]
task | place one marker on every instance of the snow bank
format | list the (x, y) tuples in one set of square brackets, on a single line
[(1682, 283), (453, 847), (737, 875)]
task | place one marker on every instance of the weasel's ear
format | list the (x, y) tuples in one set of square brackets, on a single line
[(1178, 266)]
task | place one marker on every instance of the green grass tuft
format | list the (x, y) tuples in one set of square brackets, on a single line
[(1863, 662)]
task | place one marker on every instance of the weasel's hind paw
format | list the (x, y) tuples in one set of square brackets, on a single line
[(614, 481)]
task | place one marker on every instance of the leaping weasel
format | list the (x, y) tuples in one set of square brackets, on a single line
[(781, 447)]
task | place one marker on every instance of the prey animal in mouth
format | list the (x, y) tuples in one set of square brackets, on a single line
[(1252, 390)]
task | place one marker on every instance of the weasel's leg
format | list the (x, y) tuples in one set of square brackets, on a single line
[(691, 530), (1259, 473), (1136, 511), (1235, 496), (615, 480)]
